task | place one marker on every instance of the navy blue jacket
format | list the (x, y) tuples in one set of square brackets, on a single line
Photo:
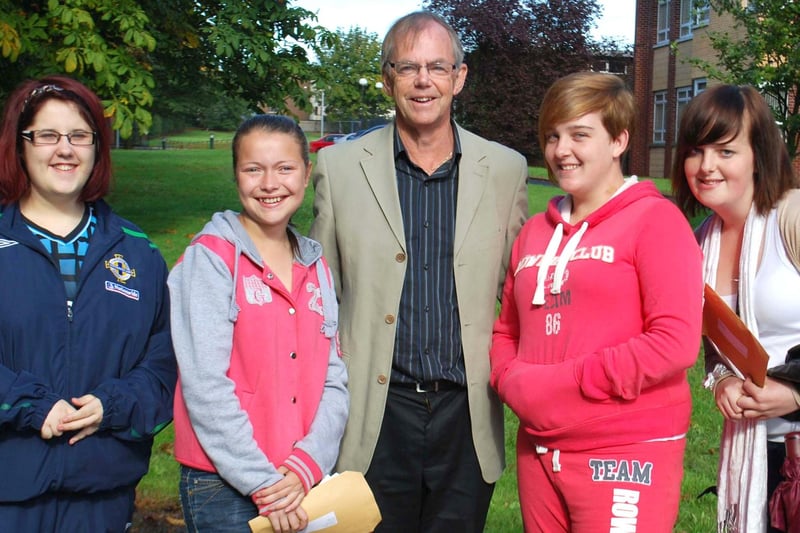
[(113, 342)]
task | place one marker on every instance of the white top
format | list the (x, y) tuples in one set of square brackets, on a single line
[(777, 310)]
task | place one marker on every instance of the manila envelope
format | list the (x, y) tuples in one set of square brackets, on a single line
[(342, 504), (732, 338)]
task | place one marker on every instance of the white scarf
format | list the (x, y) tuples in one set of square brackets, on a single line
[(742, 482)]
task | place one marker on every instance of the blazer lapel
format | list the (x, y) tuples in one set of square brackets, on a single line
[(472, 177), (378, 167)]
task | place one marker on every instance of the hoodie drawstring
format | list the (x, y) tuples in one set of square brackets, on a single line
[(544, 264), (561, 264), (566, 255), (330, 310), (233, 308), (541, 450)]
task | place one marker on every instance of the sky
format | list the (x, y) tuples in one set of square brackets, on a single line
[(376, 16)]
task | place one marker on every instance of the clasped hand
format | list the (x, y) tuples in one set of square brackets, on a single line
[(280, 503), (83, 415), (737, 399)]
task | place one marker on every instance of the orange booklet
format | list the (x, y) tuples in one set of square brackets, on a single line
[(732, 338), (342, 503)]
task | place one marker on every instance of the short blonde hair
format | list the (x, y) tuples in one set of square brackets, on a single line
[(580, 93)]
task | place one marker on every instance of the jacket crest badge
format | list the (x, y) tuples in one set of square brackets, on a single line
[(123, 272), (120, 268)]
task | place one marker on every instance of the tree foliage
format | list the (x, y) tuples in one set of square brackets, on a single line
[(104, 44), (515, 49), (167, 52), (354, 55), (762, 50)]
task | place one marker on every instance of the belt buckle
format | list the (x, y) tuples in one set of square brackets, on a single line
[(434, 389)]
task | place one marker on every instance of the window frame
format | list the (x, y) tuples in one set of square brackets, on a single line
[(660, 117), (662, 22)]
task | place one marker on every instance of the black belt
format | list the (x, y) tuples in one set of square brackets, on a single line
[(429, 386)]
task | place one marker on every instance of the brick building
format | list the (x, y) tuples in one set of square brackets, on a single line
[(667, 32)]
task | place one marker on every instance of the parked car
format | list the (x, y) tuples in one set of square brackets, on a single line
[(359, 133), (322, 142), (345, 137)]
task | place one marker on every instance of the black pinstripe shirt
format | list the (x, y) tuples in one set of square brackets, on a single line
[(428, 341)]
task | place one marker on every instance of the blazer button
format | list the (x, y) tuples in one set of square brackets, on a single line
[(400, 257), (389, 319), (382, 379)]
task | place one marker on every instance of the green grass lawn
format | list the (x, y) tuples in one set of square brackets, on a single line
[(171, 194)]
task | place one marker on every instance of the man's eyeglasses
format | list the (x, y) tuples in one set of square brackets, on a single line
[(437, 69), (75, 138)]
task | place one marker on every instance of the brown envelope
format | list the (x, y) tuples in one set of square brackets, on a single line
[(732, 338), (342, 504)]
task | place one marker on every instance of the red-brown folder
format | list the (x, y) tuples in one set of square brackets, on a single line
[(732, 338)]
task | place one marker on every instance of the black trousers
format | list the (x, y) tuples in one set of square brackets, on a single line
[(424, 474)]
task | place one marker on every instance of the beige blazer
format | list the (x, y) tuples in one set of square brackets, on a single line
[(359, 223)]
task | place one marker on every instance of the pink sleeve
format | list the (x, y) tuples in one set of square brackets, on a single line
[(669, 266), (505, 336)]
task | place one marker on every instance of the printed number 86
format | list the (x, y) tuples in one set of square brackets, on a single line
[(552, 324)]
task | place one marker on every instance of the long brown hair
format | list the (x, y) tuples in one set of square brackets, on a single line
[(718, 115)]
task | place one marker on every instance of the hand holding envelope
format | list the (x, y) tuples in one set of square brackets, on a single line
[(342, 503)]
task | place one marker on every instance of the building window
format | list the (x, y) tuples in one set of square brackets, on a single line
[(686, 18), (611, 65), (701, 13), (682, 97), (662, 23), (699, 85), (693, 16), (778, 102), (659, 117), (774, 101)]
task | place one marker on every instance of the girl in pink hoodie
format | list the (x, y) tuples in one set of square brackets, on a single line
[(601, 318)]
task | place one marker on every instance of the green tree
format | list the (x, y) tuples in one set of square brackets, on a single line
[(254, 52), (103, 43), (344, 64), (173, 53), (763, 50), (515, 49)]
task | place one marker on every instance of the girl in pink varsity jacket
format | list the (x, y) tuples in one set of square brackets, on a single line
[(261, 402), (601, 318)]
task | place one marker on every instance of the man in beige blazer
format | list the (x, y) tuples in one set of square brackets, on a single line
[(417, 221)]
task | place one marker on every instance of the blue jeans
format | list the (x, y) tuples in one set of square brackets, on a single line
[(210, 504)]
